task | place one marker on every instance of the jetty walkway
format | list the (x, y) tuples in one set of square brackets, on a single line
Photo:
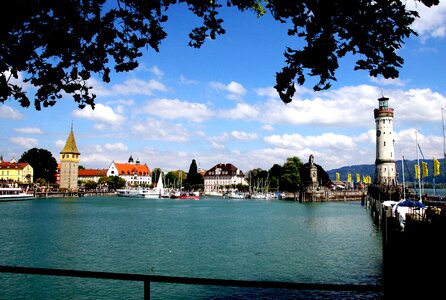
[(62, 194)]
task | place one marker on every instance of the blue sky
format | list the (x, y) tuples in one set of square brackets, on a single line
[(217, 104)]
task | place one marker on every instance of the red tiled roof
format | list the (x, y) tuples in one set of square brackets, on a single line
[(8, 165), (129, 169), (93, 172)]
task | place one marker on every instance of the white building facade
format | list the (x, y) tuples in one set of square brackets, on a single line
[(219, 177), (134, 173)]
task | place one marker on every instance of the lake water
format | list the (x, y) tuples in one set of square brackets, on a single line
[(332, 242)]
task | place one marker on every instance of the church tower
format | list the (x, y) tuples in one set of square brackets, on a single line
[(69, 164), (385, 167)]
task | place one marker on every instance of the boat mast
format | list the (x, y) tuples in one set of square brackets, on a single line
[(404, 181)]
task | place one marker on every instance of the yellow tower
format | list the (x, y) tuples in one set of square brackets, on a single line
[(69, 164)]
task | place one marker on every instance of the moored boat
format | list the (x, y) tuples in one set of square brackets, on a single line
[(131, 192), (189, 195), (13, 194), (234, 195)]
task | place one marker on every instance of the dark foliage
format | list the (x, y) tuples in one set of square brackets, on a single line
[(43, 163), (194, 178), (57, 45)]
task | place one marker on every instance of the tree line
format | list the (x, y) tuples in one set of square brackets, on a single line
[(284, 177)]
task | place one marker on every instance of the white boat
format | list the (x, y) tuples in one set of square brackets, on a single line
[(158, 192), (234, 195), (12, 194), (214, 194), (263, 196), (131, 192)]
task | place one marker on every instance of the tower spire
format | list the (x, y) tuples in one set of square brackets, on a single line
[(69, 164)]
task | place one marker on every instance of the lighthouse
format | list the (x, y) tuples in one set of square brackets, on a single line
[(385, 167)]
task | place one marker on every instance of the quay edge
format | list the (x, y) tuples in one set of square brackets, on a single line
[(413, 256)]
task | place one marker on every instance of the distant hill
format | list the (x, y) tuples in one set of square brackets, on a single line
[(409, 174)]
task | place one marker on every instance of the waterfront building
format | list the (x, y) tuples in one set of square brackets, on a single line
[(133, 172), (91, 174), (385, 167), (15, 172), (69, 164), (221, 176)]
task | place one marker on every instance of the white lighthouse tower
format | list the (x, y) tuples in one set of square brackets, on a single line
[(385, 167)]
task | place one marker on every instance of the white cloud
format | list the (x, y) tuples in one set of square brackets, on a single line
[(29, 130), (271, 92), (177, 109), (267, 127), (416, 106), (218, 142), (160, 130), (157, 72), (389, 81), (326, 140), (187, 81), (24, 142), (59, 144), (136, 86), (431, 22), (102, 161), (116, 147), (234, 89), (244, 136), (7, 112), (102, 114), (133, 86), (242, 111)]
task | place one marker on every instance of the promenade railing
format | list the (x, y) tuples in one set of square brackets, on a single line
[(148, 279)]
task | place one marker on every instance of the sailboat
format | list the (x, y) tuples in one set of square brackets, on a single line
[(407, 206), (158, 192)]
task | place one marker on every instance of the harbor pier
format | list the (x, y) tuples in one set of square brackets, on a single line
[(64, 194), (413, 256)]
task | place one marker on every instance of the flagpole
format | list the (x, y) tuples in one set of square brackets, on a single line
[(433, 174), (444, 141), (418, 163)]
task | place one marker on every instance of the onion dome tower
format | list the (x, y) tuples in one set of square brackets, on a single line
[(385, 167), (69, 164)]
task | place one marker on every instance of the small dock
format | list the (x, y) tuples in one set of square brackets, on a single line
[(325, 195)]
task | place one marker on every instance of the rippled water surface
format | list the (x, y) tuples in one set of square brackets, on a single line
[(333, 242)]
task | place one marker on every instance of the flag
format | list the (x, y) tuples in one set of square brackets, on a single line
[(417, 172), (338, 176), (436, 167), (425, 170), (358, 178), (349, 177)]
